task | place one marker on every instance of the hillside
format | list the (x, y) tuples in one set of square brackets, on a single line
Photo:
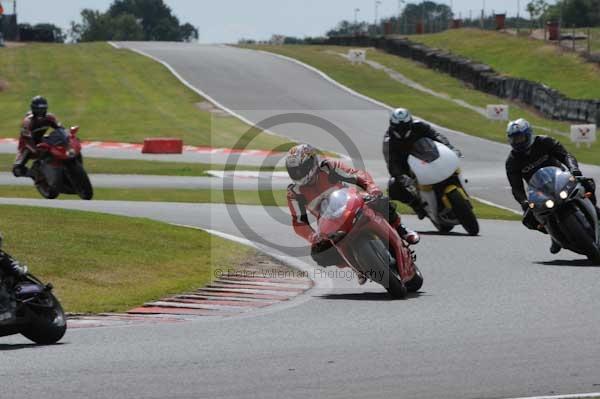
[(114, 95), (523, 58)]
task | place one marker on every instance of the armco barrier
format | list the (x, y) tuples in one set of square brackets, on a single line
[(162, 146), (482, 77)]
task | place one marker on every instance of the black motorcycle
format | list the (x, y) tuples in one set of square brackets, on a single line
[(561, 204), (39, 315)]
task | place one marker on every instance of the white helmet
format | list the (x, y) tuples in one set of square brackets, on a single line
[(302, 163), (401, 122)]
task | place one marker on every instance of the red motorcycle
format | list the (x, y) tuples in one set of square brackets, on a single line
[(368, 243), (59, 167)]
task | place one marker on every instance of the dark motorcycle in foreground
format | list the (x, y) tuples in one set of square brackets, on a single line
[(59, 167), (564, 210), (38, 314)]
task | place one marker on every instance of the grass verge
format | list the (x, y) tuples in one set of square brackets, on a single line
[(522, 57), (104, 263), (156, 168), (240, 197), (379, 85), (126, 97)]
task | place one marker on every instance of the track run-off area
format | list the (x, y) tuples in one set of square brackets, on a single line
[(498, 316)]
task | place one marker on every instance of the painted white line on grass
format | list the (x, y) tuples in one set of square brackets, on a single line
[(324, 283), (388, 107), (516, 212), (315, 70), (369, 99), (572, 396)]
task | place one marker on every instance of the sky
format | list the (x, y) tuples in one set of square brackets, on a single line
[(226, 21)]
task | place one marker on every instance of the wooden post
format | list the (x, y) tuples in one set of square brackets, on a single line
[(589, 40), (573, 39)]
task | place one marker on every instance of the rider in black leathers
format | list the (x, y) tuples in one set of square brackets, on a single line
[(399, 139), (9, 269), (531, 153)]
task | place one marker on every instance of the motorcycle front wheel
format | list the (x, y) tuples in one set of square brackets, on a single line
[(47, 320), (80, 180), (464, 212), (572, 226), (380, 266)]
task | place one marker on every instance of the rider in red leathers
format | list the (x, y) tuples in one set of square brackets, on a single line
[(35, 125), (313, 180)]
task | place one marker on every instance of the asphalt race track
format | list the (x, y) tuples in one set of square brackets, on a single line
[(258, 86), (506, 320), (498, 316)]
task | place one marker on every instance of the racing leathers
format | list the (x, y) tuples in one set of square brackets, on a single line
[(396, 151), (9, 268), (332, 175), (32, 131)]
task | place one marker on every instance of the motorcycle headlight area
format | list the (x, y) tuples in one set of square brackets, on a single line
[(549, 204), (334, 206), (564, 195)]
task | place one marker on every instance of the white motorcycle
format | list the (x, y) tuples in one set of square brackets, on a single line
[(436, 169)]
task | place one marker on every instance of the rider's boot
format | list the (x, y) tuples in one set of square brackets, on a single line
[(419, 207), (19, 168), (555, 247), (362, 279), (410, 236)]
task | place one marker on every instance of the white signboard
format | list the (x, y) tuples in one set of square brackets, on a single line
[(357, 56), (583, 134), (497, 112)]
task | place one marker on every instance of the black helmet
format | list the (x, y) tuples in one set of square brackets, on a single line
[(401, 122), (39, 106)]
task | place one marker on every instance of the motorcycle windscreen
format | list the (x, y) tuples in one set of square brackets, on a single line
[(433, 162), (335, 204), (58, 137), (425, 150), (546, 184)]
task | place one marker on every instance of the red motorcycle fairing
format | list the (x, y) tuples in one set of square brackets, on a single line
[(356, 219), (60, 152)]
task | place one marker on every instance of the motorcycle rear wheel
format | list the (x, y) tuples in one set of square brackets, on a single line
[(372, 252), (48, 324), (464, 212), (415, 283)]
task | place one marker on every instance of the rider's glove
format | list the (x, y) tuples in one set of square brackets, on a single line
[(576, 173), (316, 238)]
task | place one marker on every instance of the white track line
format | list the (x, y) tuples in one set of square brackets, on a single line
[(497, 205), (311, 68), (195, 89), (325, 283), (366, 98), (574, 396)]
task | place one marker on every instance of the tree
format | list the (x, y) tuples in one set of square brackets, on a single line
[(536, 10), (575, 13), (132, 20)]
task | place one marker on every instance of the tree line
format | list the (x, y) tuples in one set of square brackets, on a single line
[(132, 20)]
